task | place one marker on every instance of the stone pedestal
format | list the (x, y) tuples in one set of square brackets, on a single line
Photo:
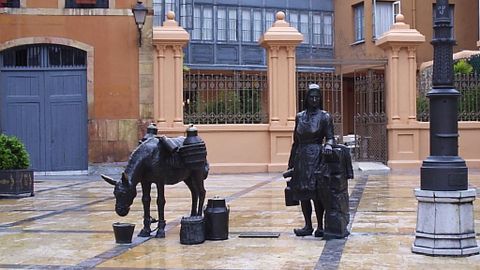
[(445, 223)]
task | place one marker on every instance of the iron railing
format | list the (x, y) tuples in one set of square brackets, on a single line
[(331, 89), (236, 97), (468, 103)]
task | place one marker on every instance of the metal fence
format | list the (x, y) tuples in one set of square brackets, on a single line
[(468, 103), (236, 97), (331, 86)]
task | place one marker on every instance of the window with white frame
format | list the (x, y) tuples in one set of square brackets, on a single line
[(384, 16), (358, 15), (185, 13), (246, 26)]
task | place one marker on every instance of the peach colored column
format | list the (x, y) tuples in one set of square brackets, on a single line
[(400, 44), (280, 41), (168, 41)]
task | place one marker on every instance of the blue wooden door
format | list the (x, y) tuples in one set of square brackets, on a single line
[(45, 106)]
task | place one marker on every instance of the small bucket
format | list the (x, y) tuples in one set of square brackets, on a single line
[(192, 230), (123, 232)]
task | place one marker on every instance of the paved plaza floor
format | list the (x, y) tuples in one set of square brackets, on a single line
[(68, 225)]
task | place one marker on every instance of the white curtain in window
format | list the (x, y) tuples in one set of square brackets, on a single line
[(383, 18), (232, 25), (317, 29), (327, 30), (246, 27), (207, 27), (304, 29), (197, 23), (222, 24)]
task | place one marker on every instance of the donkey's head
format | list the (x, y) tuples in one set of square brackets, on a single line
[(124, 193)]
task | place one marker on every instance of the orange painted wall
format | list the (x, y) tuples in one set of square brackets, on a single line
[(116, 54)]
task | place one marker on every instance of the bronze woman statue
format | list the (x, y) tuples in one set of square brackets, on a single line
[(312, 126)]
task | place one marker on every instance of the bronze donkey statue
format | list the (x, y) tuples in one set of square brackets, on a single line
[(151, 162)]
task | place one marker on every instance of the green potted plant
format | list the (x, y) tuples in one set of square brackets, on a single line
[(15, 177)]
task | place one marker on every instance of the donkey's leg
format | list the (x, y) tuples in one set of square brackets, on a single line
[(198, 182), (193, 190), (146, 199), (161, 210)]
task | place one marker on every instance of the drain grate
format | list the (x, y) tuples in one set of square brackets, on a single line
[(259, 235)]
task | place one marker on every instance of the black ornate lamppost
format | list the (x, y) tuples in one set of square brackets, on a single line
[(445, 224)]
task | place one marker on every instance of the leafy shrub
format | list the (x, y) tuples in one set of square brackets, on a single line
[(474, 61), (462, 67), (13, 154)]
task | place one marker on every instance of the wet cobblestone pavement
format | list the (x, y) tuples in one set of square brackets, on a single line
[(68, 225)]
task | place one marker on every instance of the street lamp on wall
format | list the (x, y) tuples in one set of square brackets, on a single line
[(139, 14)]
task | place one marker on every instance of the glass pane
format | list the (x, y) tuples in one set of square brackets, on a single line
[(327, 30), (304, 29), (232, 25), (221, 24), (257, 25), (317, 29), (207, 23), (246, 27), (197, 23)]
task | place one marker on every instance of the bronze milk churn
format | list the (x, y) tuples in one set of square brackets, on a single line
[(193, 151), (216, 219)]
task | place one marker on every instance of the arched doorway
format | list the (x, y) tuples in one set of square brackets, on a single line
[(43, 101)]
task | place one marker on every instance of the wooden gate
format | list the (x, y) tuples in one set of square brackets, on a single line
[(43, 102)]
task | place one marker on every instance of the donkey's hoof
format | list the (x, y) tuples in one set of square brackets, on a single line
[(160, 234), (144, 233)]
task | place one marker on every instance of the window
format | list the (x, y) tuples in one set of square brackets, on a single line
[(358, 13), (182, 9), (317, 29), (232, 24), (197, 23), (169, 6), (293, 19), (257, 25), (327, 30), (10, 3), (452, 32), (207, 26), (186, 13), (221, 24), (246, 26), (304, 29), (202, 23), (384, 17), (269, 19), (396, 10), (86, 4)]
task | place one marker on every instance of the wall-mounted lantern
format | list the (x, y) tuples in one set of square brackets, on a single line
[(139, 14)]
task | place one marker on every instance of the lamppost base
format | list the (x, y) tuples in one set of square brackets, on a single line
[(445, 223)]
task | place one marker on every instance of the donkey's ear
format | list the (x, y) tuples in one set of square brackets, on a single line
[(109, 180), (124, 178)]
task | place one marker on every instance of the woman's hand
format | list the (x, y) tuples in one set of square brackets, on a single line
[(327, 149)]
